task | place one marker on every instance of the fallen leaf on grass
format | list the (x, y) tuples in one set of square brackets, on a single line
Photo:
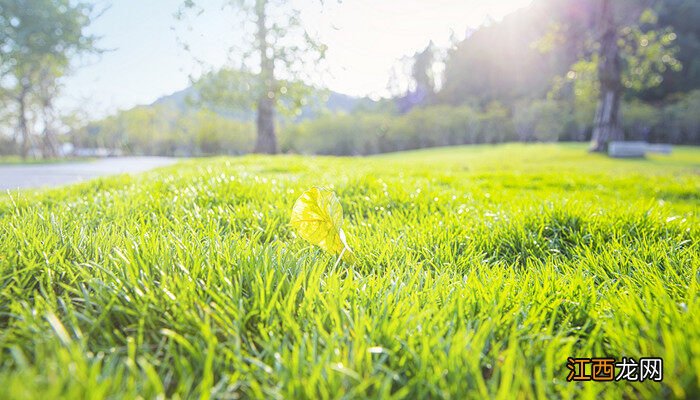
[(318, 218)]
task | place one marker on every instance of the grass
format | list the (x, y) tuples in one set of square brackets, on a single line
[(481, 269)]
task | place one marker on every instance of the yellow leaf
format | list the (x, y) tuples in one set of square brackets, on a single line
[(318, 218)]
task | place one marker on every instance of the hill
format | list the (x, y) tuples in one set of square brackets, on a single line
[(321, 101)]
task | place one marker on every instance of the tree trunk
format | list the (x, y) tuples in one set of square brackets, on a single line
[(607, 125), (49, 148), (23, 123), (49, 145), (266, 142)]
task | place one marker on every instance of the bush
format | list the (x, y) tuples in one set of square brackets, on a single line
[(681, 120), (340, 134), (542, 120), (639, 120), (366, 133), (7, 146), (216, 135), (165, 131)]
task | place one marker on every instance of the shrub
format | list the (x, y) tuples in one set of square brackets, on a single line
[(541, 120), (368, 133), (681, 120), (639, 120)]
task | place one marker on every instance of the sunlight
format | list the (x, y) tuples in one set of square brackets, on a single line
[(364, 44), (315, 199), (365, 39)]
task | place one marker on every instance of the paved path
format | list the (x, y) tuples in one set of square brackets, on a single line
[(45, 175)]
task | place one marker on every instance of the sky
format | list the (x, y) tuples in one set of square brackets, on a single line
[(145, 58)]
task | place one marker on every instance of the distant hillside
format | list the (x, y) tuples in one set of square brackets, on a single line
[(177, 100), (330, 101)]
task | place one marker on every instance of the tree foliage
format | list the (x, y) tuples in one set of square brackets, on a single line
[(276, 48), (524, 55), (38, 40)]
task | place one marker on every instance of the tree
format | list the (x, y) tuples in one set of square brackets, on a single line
[(277, 46), (683, 17), (607, 124), (501, 62), (634, 53), (47, 89), (38, 39), (422, 70), (422, 88), (556, 46)]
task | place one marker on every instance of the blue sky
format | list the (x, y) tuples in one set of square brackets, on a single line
[(365, 39)]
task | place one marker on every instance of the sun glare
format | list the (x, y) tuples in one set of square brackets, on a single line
[(364, 43)]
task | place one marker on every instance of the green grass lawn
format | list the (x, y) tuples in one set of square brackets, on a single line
[(480, 270)]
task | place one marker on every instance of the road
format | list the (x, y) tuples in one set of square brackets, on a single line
[(56, 174)]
